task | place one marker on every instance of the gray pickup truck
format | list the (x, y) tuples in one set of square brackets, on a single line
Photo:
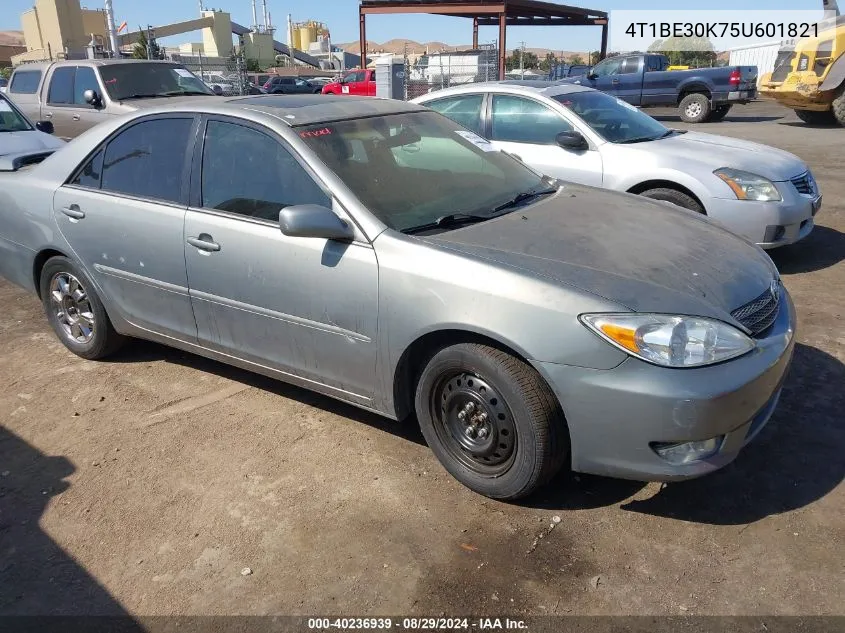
[(701, 94), (77, 94)]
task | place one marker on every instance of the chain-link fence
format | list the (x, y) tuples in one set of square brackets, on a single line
[(435, 71), (225, 76)]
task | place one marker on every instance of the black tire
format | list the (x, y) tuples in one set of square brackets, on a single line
[(838, 106), (719, 113), (526, 440), (816, 117), (674, 196), (77, 312), (695, 108)]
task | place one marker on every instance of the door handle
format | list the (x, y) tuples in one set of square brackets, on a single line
[(73, 212), (614, 81), (48, 115), (76, 117), (204, 242)]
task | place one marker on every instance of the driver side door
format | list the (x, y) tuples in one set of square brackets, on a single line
[(527, 129), (607, 79)]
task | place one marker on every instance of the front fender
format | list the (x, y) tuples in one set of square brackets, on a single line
[(685, 180), (835, 76)]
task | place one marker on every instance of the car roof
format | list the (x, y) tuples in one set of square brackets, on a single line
[(547, 88), (297, 110)]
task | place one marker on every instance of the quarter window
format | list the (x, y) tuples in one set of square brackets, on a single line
[(464, 110), (257, 183), (629, 66), (147, 160), (25, 82), (519, 120), (61, 86), (89, 176)]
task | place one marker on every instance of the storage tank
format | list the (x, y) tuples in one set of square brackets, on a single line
[(307, 35)]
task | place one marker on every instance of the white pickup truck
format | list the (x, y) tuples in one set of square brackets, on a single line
[(77, 94)]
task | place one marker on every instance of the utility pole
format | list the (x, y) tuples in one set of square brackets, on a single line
[(149, 41), (522, 60)]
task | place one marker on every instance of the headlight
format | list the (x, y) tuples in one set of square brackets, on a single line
[(748, 186), (669, 340)]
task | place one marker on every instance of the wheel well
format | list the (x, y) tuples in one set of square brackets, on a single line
[(417, 354), (38, 265), (694, 89), (665, 184)]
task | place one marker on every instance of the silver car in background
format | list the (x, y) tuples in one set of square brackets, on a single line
[(376, 252), (583, 135), (20, 138)]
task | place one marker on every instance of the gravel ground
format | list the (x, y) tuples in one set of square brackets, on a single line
[(146, 484)]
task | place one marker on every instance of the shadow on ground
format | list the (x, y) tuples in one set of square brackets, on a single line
[(822, 248), (138, 351), (38, 577)]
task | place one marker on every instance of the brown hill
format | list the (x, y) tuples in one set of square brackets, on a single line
[(11, 38)]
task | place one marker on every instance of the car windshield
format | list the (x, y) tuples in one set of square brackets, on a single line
[(142, 80), (611, 118), (10, 119), (413, 169)]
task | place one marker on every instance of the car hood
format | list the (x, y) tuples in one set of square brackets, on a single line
[(30, 141), (722, 151), (647, 256)]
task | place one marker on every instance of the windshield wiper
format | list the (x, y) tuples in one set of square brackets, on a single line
[(522, 197), (638, 139), (186, 93), (143, 96), (446, 221)]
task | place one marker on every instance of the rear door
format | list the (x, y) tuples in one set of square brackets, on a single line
[(527, 128), (23, 90), (464, 109), (123, 214), (628, 80)]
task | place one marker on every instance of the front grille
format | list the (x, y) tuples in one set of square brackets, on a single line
[(804, 184), (759, 314)]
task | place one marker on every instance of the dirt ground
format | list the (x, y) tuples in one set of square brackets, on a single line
[(145, 485)]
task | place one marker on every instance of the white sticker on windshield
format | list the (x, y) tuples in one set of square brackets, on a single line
[(5, 107), (475, 139), (184, 73), (627, 105)]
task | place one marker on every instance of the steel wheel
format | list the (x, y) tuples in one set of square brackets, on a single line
[(693, 110), (72, 307), (474, 423)]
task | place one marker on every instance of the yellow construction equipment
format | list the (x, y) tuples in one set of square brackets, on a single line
[(809, 77)]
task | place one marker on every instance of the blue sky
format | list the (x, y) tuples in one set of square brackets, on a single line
[(341, 16)]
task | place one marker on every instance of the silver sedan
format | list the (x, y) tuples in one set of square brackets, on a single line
[(376, 252), (583, 135)]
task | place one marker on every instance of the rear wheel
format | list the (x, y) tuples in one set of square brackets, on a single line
[(719, 113), (75, 312), (816, 117), (674, 196), (491, 420), (695, 108)]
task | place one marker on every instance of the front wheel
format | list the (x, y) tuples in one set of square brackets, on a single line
[(695, 108), (491, 420), (678, 198), (75, 312), (838, 106)]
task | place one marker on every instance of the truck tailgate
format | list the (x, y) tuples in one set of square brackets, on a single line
[(748, 78)]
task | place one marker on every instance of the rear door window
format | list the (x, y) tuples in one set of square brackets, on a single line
[(25, 82), (464, 110)]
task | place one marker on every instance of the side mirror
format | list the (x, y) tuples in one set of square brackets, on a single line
[(92, 98), (591, 74), (571, 140), (313, 220), (217, 90), (45, 126)]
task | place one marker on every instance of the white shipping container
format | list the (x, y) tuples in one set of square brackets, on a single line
[(761, 55)]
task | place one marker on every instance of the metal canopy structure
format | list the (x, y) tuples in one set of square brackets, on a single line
[(501, 13)]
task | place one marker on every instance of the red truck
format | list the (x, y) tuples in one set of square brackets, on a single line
[(355, 82)]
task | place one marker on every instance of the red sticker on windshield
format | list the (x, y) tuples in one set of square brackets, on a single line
[(315, 133)]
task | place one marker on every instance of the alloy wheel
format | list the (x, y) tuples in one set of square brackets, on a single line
[(72, 307)]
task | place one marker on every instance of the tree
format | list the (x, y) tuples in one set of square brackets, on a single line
[(5, 73), (696, 52), (252, 66), (547, 62), (139, 51), (529, 60)]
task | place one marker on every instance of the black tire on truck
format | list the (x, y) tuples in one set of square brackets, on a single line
[(838, 106), (719, 113), (816, 117), (695, 108)]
